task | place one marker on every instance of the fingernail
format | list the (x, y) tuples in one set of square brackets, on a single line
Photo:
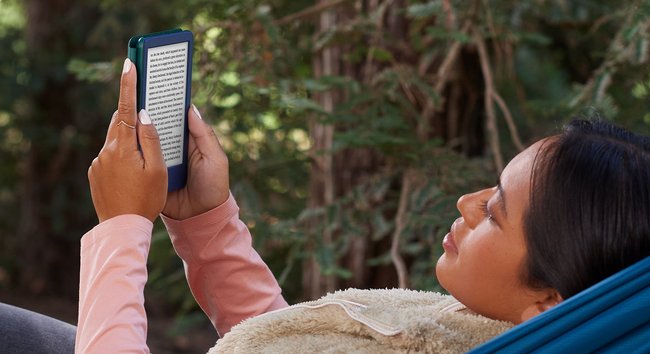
[(127, 66), (144, 117), (196, 111)]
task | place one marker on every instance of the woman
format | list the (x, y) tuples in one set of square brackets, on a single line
[(566, 213)]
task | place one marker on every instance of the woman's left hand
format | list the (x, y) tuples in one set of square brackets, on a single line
[(124, 179)]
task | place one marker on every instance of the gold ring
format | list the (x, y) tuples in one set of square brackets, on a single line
[(125, 124)]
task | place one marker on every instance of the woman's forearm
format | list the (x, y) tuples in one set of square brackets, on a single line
[(113, 274), (227, 277)]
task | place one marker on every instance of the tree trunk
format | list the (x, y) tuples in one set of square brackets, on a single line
[(325, 63), (456, 120), (48, 196), (38, 250)]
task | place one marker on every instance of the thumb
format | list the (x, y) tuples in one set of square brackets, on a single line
[(149, 140), (203, 135)]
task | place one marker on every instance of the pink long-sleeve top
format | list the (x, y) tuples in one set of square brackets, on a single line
[(226, 276)]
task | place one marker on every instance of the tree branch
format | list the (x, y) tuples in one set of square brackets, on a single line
[(491, 124), (400, 221), (441, 77), (508, 117), (310, 11), (450, 20)]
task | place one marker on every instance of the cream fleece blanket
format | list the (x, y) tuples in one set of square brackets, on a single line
[(364, 321)]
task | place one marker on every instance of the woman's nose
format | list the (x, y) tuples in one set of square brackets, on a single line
[(470, 206)]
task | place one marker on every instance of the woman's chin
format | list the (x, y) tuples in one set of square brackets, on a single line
[(441, 270)]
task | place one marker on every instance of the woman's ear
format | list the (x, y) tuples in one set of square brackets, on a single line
[(547, 298)]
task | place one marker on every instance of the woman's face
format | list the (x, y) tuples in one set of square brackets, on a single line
[(485, 249)]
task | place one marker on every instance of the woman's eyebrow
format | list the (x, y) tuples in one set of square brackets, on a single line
[(502, 198)]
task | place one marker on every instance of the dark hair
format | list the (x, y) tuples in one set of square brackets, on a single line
[(589, 212)]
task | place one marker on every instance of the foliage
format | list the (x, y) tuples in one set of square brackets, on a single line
[(545, 72)]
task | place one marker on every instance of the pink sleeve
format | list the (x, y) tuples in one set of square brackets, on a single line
[(227, 277), (113, 273)]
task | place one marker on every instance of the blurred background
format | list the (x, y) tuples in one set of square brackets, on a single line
[(352, 127)]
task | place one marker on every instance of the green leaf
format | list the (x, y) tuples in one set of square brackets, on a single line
[(381, 54), (380, 226), (91, 72), (532, 38), (384, 259), (300, 104), (442, 33), (428, 9)]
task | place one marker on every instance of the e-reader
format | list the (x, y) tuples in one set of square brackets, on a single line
[(164, 65)]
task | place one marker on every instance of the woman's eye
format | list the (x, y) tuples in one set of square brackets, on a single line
[(486, 211)]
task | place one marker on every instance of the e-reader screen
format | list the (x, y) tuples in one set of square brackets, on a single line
[(166, 77)]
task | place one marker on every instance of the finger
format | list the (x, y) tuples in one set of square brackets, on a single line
[(123, 125), (204, 137), (110, 133), (149, 142), (191, 142), (93, 164)]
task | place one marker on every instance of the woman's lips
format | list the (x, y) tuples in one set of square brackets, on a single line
[(448, 243)]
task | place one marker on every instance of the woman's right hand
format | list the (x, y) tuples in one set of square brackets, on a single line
[(124, 179), (207, 176)]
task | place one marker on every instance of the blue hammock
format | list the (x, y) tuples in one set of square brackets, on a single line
[(612, 316)]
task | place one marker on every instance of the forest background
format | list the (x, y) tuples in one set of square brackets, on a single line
[(352, 127)]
